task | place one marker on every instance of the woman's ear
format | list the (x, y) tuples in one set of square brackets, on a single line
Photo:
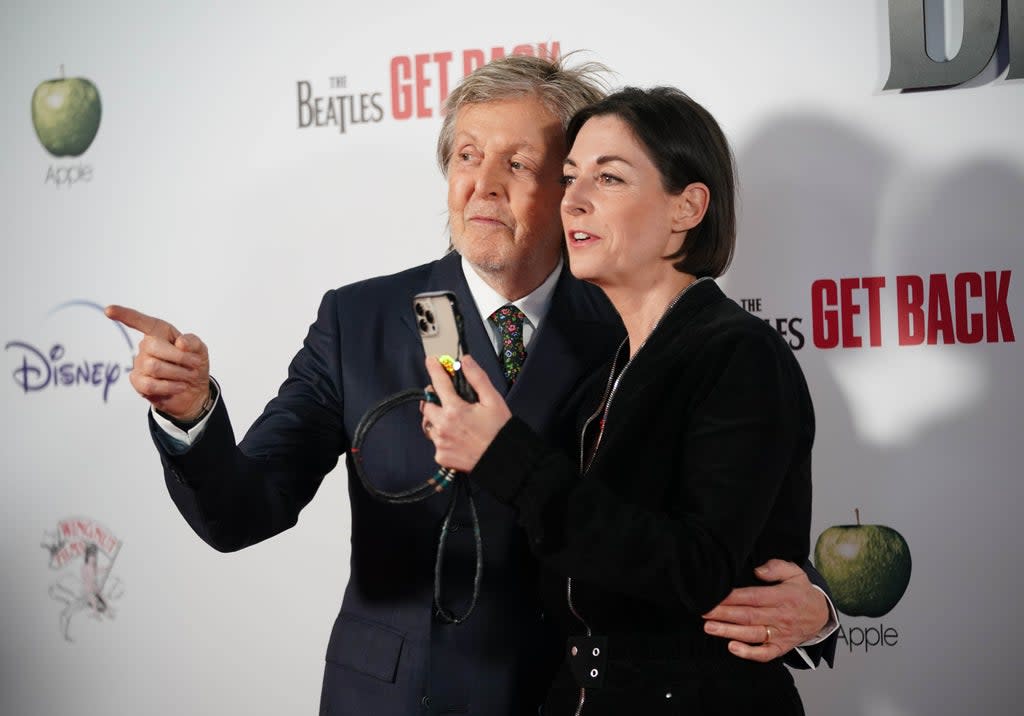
[(690, 206)]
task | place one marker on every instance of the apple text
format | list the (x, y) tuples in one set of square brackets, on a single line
[(68, 176), (868, 637)]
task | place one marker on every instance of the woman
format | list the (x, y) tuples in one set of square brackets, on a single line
[(693, 462)]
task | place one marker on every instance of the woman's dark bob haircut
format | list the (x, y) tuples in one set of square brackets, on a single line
[(686, 145)]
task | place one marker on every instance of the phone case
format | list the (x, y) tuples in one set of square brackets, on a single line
[(441, 331)]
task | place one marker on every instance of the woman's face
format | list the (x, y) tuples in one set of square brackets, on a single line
[(619, 221)]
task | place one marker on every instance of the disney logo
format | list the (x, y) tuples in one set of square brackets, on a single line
[(39, 370)]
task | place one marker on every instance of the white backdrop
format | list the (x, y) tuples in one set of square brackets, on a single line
[(202, 200)]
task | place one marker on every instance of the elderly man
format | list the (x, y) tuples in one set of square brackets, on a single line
[(391, 651)]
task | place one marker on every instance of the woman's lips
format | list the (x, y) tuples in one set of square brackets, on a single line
[(578, 238)]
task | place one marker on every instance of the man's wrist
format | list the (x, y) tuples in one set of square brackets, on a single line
[(831, 624), (204, 410)]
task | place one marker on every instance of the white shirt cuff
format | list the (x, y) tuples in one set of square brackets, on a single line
[(186, 437)]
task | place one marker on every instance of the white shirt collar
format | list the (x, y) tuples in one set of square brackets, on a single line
[(535, 304)]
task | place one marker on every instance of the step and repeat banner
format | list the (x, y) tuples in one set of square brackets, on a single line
[(222, 165)]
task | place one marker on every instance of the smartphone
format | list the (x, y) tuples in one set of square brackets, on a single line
[(441, 331)]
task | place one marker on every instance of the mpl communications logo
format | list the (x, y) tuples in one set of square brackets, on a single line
[(83, 551), (58, 364), (418, 85), (868, 571), (66, 115)]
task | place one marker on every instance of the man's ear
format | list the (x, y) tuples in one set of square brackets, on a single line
[(690, 205)]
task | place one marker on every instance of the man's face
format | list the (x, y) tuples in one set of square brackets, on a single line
[(504, 191)]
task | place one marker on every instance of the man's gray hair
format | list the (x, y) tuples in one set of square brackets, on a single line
[(564, 90)]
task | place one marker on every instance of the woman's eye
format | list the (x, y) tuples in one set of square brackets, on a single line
[(567, 180), (608, 179)]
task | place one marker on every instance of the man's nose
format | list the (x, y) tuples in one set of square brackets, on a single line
[(490, 179)]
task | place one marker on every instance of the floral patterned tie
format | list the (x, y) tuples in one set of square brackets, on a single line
[(512, 352)]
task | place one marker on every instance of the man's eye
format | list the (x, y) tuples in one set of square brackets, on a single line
[(465, 156), (516, 164)]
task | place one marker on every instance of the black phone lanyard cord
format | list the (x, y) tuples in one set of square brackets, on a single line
[(438, 483)]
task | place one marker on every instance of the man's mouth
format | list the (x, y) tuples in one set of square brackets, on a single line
[(488, 220)]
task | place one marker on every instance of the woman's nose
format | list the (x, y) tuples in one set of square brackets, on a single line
[(575, 201)]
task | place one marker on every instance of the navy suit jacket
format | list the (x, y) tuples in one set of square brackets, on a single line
[(387, 653)]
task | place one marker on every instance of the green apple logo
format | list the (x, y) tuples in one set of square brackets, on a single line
[(66, 115), (867, 567)]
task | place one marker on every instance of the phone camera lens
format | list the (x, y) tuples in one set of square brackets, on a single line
[(419, 309), (430, 316), (423, 326)]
